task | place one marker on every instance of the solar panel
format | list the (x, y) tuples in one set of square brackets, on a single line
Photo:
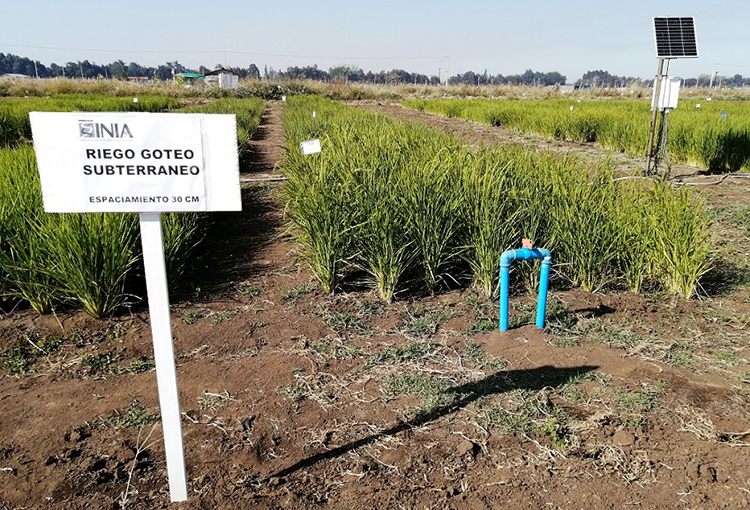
[(675, 37)]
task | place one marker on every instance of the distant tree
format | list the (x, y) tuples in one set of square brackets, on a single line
[(253, 72), (304, 73), (602, 78), (347, 73)]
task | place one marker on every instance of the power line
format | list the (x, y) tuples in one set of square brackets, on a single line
[(352, 57)]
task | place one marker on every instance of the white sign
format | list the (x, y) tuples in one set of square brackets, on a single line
[(310, 146), (146, 163), (137, 162)]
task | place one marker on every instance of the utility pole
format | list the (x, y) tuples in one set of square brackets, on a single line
[(447, 70), (36, 71)]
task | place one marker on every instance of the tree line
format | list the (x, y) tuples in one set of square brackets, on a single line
[(14, 64)]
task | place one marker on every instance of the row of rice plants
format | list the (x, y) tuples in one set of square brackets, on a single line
[(50, 258), (710, 134), (248, 111), (14, 112), (85, 261), (412, 208)]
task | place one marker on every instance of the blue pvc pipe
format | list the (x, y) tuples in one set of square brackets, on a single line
[(541, 307), (524, 254)]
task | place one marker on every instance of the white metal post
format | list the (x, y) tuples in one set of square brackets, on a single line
[(161, 332)]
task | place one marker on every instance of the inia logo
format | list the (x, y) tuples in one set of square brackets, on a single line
[(91, 129)]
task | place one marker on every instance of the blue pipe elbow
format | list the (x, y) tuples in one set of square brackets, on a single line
[(524, 254)]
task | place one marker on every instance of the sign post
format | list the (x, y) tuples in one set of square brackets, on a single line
[(161, 332), (145, 163)]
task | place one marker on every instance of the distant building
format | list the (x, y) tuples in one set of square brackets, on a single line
[(188, 78), (226, 79), (16, 75)]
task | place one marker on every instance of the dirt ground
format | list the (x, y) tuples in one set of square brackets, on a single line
[(293, 398)]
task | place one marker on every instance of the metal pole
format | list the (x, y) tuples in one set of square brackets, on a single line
[(654, 116)]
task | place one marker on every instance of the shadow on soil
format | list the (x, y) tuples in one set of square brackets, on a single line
[(500, 382), (725, 277), (234, 240)]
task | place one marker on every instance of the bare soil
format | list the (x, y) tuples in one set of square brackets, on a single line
[(296, 399)]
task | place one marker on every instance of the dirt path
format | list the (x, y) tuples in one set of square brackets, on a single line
[(481, 134), (267, 146)]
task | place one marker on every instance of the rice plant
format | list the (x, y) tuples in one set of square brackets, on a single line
[(413, 208), (248, 113), (84, 261), (714, 135), (25, 260), (15, 127), (681, 251), (93, 256)]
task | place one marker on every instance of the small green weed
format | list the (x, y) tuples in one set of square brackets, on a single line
[(333, 348), (411, 351), (526, 314), (296, 391), (482, 325), (26, 350), (526, 412), (222, 316), (432, 391), (475, 353), (741, 218), (566, 341), (251, 291), (142, 364), (559, 320), (192, 317), (633, 406), (423, 323), (96, 364), (17, 359), (619, 336), (679, 355), (50, 345), (484, 316), (293, 294), (134, 415), (729, 357), (112, 332), (348, 322)]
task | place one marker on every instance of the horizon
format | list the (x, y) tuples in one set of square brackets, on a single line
[(504, 38)]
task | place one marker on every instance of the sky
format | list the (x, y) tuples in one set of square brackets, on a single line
[(502, 36)]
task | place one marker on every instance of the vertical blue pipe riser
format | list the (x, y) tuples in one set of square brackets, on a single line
[(504, 277), (524, 254)]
